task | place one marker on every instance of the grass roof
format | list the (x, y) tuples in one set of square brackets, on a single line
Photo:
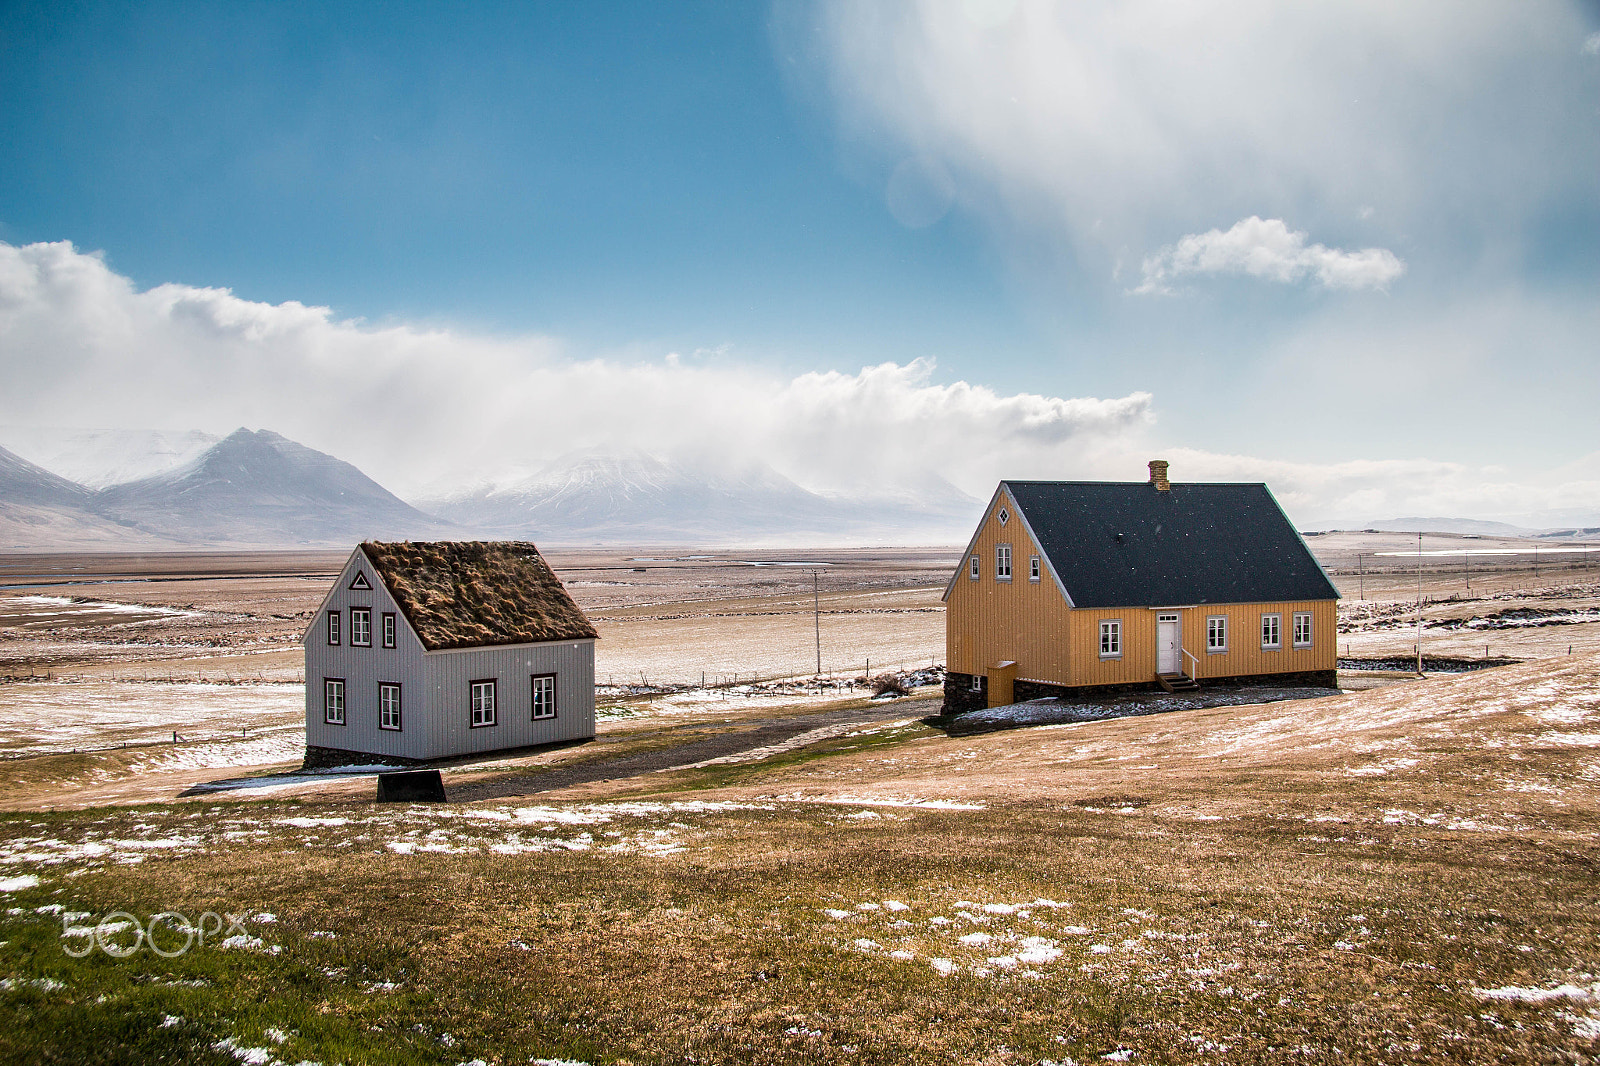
[(469, 594)]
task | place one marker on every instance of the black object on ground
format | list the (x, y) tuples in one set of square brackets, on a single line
[(411, 786)]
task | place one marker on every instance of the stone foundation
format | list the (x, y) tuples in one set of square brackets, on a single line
[(322, 758), (959, 696), (960, 699)]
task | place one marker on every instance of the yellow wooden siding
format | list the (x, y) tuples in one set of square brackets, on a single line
[(1244, 655), (988, 622)]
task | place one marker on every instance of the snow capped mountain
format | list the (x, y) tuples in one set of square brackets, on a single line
[(606, 497), (99, 458), (262, 488), (21, 482)]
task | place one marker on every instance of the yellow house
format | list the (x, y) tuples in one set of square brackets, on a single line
[(1084, 587)]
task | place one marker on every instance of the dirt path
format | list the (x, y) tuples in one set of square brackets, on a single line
[(737, 745)]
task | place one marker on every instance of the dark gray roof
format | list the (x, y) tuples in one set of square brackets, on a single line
[(1120, 544)]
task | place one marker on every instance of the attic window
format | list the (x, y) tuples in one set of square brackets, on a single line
[(361, 581), (1004, 516)]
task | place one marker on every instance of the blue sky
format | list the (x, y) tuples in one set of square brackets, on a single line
[(618, 174), (1353, 252)]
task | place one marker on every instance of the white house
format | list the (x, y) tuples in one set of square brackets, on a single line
[(429, 650)]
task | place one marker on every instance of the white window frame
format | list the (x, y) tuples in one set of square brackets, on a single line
[(1299, 618), (1002, 562), (389, 705), (482, 701), (544, 697), (333, 628), (391, 629), (975, 569), (1110, 638), (1216, 634), (361, 627), (1272, 626), (333, 701), (977, 683), (1035, 569)]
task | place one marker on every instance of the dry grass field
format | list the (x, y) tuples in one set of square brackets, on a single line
[(1408, 873), (1400, 875)]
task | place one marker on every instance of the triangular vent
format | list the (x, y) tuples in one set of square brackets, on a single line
[(360, 582)]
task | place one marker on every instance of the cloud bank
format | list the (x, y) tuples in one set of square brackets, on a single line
[(429, 408), (1270, 250), (425, 410)]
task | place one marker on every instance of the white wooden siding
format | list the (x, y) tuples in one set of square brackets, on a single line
[(435, 716)]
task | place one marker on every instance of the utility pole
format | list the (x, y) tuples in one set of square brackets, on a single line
[(1419, 603), (1361, 576), (816, 618)]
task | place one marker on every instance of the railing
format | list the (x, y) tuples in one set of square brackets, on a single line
[(1195, 669)]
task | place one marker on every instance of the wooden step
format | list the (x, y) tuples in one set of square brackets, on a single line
[(1178, 682)]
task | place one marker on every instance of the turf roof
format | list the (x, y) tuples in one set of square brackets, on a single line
[(1128, 544), (470, 594)]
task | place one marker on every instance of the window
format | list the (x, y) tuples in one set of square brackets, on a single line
[(1270, 635), (1302, 629), (388, 705), (1217, 633), (388, 630), (333, 700), (333, 627), (544, 695), (1033, 568), (361, 627), (974, 568), (977, 683), (1111, 639), (482, 703), (1002, 562)]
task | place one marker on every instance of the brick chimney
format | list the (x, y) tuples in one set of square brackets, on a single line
[(1158, 475)]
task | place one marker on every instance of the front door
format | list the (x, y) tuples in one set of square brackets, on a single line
[(1167, 645)]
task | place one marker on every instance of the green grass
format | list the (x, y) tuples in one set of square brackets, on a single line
[(722, 953)]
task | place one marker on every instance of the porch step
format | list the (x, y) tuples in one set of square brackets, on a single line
[(1178, 682)]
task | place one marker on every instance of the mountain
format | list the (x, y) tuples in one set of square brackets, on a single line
[(100, 458), (40, 510), (634, 498), (264, 489), (23, 482), (1449, 525)]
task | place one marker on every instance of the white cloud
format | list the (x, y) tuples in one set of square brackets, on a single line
[(1591, 46), (415, 407), (1362, 490), (1110, 124), (1269, 249)]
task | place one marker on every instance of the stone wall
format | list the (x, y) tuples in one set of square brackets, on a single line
[(959, 697), (322, 758)]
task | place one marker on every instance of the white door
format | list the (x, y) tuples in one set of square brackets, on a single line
[(1167, 645)]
